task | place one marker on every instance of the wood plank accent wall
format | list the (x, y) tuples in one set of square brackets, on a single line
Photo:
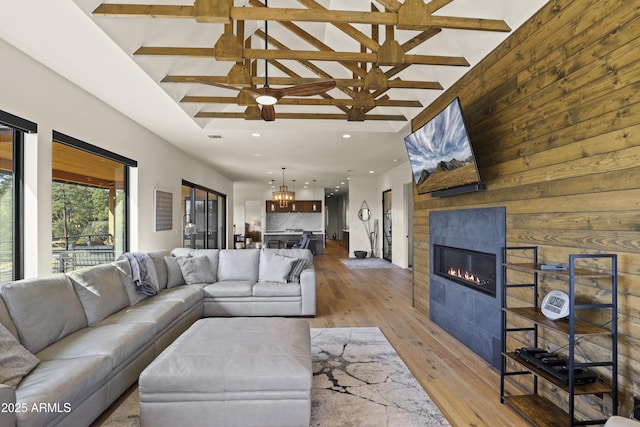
[(554, 119)]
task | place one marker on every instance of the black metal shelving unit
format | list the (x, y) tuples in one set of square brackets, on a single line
[(538, 409)]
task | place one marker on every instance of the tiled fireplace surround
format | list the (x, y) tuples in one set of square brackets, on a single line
[(470, 316)]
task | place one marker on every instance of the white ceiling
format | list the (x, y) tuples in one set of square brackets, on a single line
[(96, 54)]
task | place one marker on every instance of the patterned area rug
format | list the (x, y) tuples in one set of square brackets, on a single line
[(358, 381), (363, 263)]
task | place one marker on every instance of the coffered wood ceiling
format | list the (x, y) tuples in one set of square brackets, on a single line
[(362, 86), (385, 75)]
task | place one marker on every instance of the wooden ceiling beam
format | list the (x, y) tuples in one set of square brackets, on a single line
[(305, 36), (305, 101), (317, 14), (350, 57), (298, 55), (392, 5), (345, 26), (302, 116), (290, 81), (150, 10)]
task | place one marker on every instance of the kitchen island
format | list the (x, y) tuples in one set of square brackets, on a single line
[(290, 237)]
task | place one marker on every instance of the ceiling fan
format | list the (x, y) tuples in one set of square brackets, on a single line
[(266, 96)]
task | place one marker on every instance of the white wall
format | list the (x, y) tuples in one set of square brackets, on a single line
[(395, 180), (33, 92), (363, 189)]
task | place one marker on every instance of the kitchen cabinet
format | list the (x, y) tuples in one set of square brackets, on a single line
[(303, 206)]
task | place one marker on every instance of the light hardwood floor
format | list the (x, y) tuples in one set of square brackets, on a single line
[(465, 387)]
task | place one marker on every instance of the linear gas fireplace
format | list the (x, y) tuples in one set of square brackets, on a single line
[(476, 270), (465, 276)]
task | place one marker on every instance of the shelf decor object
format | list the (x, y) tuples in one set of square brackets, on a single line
[(283, 196), (536, 408)]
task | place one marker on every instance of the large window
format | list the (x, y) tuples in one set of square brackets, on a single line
[(89, 204), (12, 130), (204, 217)]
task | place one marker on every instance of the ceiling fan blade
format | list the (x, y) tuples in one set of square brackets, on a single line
[(268, 113), (307, 89)]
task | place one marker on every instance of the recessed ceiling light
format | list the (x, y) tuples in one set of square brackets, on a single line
[(395, 160), (337, 186), (342, 183), (257, 155), (346, 136), (372, 171), (255, 134)]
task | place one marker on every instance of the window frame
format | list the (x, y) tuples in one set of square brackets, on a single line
[(20, 127), (128, 163)]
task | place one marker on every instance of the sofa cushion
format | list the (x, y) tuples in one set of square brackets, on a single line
[(277, 270), (116, 341), (15, 360), (238, 264), (231, 288), (62, 384), (174, 274), (43, 309), (100, 290), (212, 254), (276, 289), (158, 313), (124, 271), (188, 296), (161, 268), (196, 270), (266, 257)]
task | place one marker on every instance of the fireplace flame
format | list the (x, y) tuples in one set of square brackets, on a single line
[(464, 275)]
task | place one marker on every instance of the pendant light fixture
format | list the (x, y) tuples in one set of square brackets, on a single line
[(284, 196)]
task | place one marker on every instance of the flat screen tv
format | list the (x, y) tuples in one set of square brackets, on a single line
[(441, 155)]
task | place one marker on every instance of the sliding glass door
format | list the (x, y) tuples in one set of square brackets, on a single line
[(204, 217)]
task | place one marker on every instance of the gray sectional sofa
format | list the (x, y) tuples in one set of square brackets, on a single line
[(73, 343)]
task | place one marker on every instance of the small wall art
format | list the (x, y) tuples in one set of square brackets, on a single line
[(163, 210)]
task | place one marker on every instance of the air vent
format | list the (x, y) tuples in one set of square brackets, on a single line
[(215, 136)]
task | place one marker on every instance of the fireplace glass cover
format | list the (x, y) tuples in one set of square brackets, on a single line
[(476, 270)]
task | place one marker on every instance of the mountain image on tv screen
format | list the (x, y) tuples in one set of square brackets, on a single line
[(440, 152)]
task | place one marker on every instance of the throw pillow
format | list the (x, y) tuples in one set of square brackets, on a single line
[(174, 274), (15, 360), (278, 270), (296, 270), (196, 270), (100, 290)]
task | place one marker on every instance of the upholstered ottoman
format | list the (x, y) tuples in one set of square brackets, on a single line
[(231, 372)]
